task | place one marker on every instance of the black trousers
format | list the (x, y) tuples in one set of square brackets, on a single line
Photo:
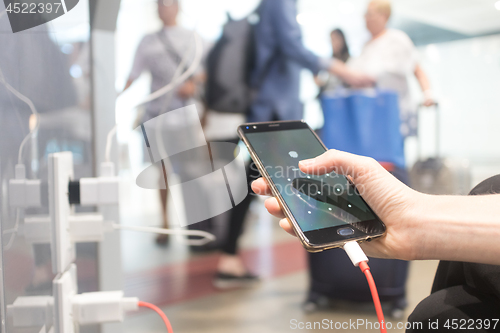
[(465, 296), (239, 213)]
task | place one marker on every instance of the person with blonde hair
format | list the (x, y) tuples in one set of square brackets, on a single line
[(390, 56), (383, 7)]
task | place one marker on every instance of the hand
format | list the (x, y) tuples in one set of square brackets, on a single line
[(319, 82), (354, 79), (398, 206), (187, 89), (359, 80), (429, 102)]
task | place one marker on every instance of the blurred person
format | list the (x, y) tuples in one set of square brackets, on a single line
[(160, 54), (341, 118), (279, 58), (340, 51), (390, 56), (461, 231)]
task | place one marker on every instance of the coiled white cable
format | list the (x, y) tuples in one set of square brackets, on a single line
[(207, 237), (33, 111), (12, 231), (33, 130), (109, 142)]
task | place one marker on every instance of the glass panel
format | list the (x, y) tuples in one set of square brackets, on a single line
[(48, 66)]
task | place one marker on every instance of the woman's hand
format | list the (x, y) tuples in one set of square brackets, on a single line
[(397, 205), (352, 78), (187, 89), (428, 102)]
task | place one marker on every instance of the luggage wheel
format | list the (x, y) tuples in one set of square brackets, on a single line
[(398, 308), (315, 302)]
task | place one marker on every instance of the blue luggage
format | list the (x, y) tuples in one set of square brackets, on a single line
[(364, 122)]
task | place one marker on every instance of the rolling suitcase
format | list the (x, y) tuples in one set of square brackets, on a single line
[(367, 125), (440, 175)]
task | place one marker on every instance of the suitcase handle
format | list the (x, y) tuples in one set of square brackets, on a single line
[(437, 146)]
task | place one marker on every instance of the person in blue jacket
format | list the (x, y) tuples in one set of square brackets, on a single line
[(280, 56)]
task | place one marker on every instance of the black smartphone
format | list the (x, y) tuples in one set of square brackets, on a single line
[(326, 211)]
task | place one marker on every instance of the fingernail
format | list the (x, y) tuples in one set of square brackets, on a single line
[(306, 163)]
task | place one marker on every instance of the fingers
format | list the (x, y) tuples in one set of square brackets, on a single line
[(274, 208), (285, 224), (365, 81), (342, 163), (371, 81), (261, 187), (360, 80), (429, 102)]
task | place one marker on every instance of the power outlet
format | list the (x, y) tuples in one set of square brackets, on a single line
[(60, 174)]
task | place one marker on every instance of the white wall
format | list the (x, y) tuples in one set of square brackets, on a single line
[(465, 76)]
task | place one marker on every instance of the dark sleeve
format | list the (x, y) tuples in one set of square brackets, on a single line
[(289, 35)]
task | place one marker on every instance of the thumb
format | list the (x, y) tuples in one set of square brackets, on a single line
[(356, 167), (377, 186)]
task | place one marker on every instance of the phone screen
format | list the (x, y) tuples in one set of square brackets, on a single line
[(318, 203)]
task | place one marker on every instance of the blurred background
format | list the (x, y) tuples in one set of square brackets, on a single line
[(73, 68)]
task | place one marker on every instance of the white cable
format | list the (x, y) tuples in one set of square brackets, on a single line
[(190, 71), (33, 111), (109, 142), (3, 13), (30, 104), (12, 231), (207, 237), (177, 77), (355, 253)]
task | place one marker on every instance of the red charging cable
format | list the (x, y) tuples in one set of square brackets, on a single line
[(161, 313), (376, 300)]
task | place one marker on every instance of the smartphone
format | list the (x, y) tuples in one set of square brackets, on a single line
[(325, 211)]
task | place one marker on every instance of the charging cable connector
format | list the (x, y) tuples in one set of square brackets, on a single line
[(359, 259), (24, 192), (355, 253), (31, 311), (111, 306), (98, 191), (102, 307)]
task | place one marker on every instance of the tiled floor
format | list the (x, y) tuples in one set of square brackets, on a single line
[(271, 307), (181, 282)]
